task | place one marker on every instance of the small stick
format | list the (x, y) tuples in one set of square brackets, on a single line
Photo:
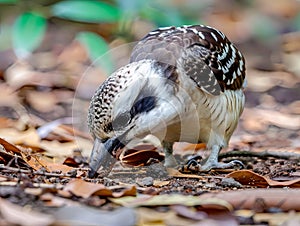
[(263, 154)]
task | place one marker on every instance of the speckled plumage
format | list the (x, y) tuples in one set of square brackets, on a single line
[(99, 116), (203, 51), (182, 84)]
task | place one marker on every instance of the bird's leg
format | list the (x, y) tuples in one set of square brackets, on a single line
[(212, 161), (170, 161)]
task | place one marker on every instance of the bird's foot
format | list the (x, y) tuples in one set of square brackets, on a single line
[(194, 165), (221, 165)]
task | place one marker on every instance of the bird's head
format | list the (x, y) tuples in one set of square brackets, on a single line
[(135, 101)]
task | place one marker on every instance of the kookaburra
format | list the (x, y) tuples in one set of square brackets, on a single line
[(182, 84)]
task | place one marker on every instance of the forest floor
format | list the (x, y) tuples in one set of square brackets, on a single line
[(44, 160)]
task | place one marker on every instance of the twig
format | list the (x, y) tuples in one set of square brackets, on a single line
[(263, 154), (9, 169), (35, 185)]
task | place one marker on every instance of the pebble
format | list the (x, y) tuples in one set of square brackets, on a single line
[(146, 181), (230, 182)]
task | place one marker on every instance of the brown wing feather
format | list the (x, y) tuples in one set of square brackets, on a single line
[(205, 53)]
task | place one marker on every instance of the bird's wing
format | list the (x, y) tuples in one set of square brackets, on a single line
[(203, 53)]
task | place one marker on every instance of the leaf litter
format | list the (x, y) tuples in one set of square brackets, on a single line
[(43, 170)]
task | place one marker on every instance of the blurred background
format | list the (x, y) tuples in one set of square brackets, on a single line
[(54, 54)]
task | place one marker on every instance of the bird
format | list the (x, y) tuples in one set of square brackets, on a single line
[(182, 84)]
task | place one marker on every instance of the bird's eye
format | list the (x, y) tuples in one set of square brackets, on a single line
[(121, 121)]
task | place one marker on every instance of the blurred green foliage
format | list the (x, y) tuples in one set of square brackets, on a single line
[(296, 23), (31, 19), (86, 11), (28, 31), (30, 25)]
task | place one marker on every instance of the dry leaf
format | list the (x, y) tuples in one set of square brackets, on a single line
[(140, 155), (9, 147), (70, 161), (173, 199), (158, 183), (34, 161), (8, 152), (175, 173), (125, 191), (42, 161), (285, 199), (247, 177), (85, 189)]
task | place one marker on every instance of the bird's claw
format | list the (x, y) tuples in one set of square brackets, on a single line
[(194, 165), (235, 162)]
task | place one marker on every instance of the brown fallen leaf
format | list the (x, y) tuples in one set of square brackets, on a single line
[(69, 161), (248, 177), (34, 161), (9, 147), (140, 155), (175, 173), (85, 189), (125, 191), (41, 161), (284, 199), (159, 183), (10, 154), (173, 199)]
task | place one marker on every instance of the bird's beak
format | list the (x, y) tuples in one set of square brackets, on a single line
[(101, 157)]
